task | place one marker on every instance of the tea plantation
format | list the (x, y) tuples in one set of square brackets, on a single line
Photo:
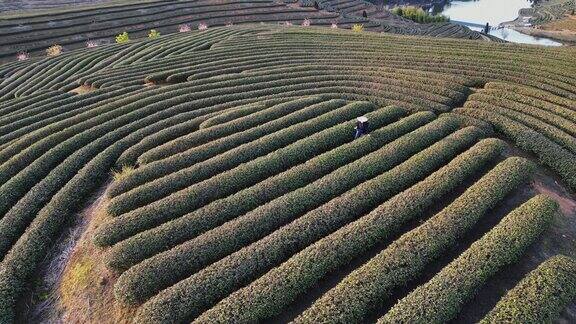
[(242, 196), (73, 26)]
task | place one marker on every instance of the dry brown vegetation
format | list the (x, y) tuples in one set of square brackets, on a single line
[(86, 289)]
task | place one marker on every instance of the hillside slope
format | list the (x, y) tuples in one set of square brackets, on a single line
[(72, 27), (244, 195)]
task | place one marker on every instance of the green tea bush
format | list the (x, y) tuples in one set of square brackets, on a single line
[(231, 115), (557, 135), (541, 296), (21, 262), (17, 178), (194, 153), (275, 290), (135, 249), (309, 139), (189, 297), (316, 194), (407, 258), (321, 191), (550, 118), (534, 102), (441, 298), (548, 152), (184, 143), (532, 92), (21, 211), (209, 163)]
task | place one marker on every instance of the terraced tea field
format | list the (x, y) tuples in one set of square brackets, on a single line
[(72, 27), (552, 18), (214, 178)]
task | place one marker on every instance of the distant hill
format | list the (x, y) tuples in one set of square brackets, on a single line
[(73, 26)]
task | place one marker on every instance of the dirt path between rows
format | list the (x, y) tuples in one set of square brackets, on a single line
[(73, 282)]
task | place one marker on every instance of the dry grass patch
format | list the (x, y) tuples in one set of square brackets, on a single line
[(123, 173), (83, 89), (566, 24), (86, 289)]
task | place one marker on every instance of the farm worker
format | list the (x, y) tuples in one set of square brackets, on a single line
[(361, 127)]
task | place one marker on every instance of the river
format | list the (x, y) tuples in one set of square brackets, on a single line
[(493, 12)]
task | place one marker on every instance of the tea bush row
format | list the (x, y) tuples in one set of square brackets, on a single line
[(441, 298), (407, 258), (275, 290), (191, 296), (541, 296), (292, 146), (135, 249)]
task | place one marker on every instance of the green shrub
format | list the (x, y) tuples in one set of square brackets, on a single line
[(135, 249), (275, 290), (231, 115), (441, 298), (189, 141), (533, 102), (541, 296), (532, 92), (122, 38), (56, 111), (153, 34), (25, 194), (22, 179), (184, 123), (517, 109), (308, 139), (217, 140), (417, 14), (407, 258), (133, 285), (23, 259), (548, 152), (562, 138), (189, 297)]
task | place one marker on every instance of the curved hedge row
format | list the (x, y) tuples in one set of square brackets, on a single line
[(194, 153), (314, 194), (534, 93), (183, 123), (552, 132), (62, 111), (17, 177), (23, 210), (189, 141), (20, 264), (541, 296), (193, 295), (531, 101), (12, 112), (231, 115), (275, 290), (441, 298), (548, 152), (366, 288), (185, 126), (146, 244), (550, 118), (306, 141), (249, 197)]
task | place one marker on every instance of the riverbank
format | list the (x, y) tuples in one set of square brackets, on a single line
[(555, 21), (566, 37)]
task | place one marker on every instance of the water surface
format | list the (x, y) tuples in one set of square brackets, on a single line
[(493, 12)]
